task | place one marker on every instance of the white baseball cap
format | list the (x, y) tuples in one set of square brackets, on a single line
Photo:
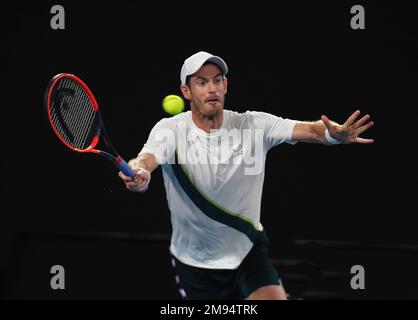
[(193, 63)]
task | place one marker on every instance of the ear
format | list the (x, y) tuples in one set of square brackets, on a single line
[(186, 91), (225, 84)]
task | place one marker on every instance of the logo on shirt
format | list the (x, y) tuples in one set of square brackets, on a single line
[(237, 152)]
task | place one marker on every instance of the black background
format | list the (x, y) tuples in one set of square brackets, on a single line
[(298, 60)]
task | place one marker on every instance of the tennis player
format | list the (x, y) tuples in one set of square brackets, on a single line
[(213, 162)]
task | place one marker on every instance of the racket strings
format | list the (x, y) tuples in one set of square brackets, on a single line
[(82, 113), (73, 115)]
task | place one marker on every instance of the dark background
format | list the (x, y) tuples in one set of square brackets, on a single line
[(296, 59)]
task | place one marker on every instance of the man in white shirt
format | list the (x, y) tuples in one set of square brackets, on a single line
[(213, 163)]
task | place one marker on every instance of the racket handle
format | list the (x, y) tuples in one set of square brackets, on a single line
[(125, 168)]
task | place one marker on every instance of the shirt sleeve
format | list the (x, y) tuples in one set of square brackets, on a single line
[(276, 129), (162, 141)]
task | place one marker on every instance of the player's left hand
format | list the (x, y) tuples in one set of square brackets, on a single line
[(349, 131)]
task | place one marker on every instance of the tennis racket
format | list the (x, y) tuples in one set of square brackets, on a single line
[(75, 118)]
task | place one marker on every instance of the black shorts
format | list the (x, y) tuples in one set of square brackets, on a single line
[(254, 272)]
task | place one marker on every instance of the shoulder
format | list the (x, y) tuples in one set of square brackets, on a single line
[(249, 114), (250, 118), (237, 119)]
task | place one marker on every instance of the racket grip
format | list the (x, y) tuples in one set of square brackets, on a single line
[(125, 168)]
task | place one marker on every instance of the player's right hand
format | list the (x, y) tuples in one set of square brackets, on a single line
[(139, 182)]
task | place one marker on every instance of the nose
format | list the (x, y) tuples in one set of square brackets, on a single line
[(212, 86)]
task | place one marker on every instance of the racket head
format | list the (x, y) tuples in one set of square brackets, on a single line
[(73, 112)]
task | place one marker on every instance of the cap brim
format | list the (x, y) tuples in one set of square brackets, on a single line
[(219, 62)]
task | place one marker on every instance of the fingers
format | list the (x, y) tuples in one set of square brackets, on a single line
[(140, 173), (139, 182), (140, 186), (124, 177), (362, 121), (326, 121), (360, 130), (352, 118), (364, 141)]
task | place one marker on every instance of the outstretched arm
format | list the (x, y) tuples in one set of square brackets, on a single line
[(315, 132)]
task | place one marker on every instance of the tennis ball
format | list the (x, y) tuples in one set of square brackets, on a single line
[(173, 104)]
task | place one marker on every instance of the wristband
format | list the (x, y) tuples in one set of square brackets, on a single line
[(330, 139)]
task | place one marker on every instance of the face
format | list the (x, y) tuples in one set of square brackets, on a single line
[(206, 91)]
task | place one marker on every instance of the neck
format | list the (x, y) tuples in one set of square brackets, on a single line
[(207, 123)]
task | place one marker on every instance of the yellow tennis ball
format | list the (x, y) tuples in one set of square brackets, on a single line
[(173, 104)]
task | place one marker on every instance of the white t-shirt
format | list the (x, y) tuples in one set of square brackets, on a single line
[(214, 193)]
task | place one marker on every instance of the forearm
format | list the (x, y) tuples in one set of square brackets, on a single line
[(146, 161), (318, 132), (311, 132)]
